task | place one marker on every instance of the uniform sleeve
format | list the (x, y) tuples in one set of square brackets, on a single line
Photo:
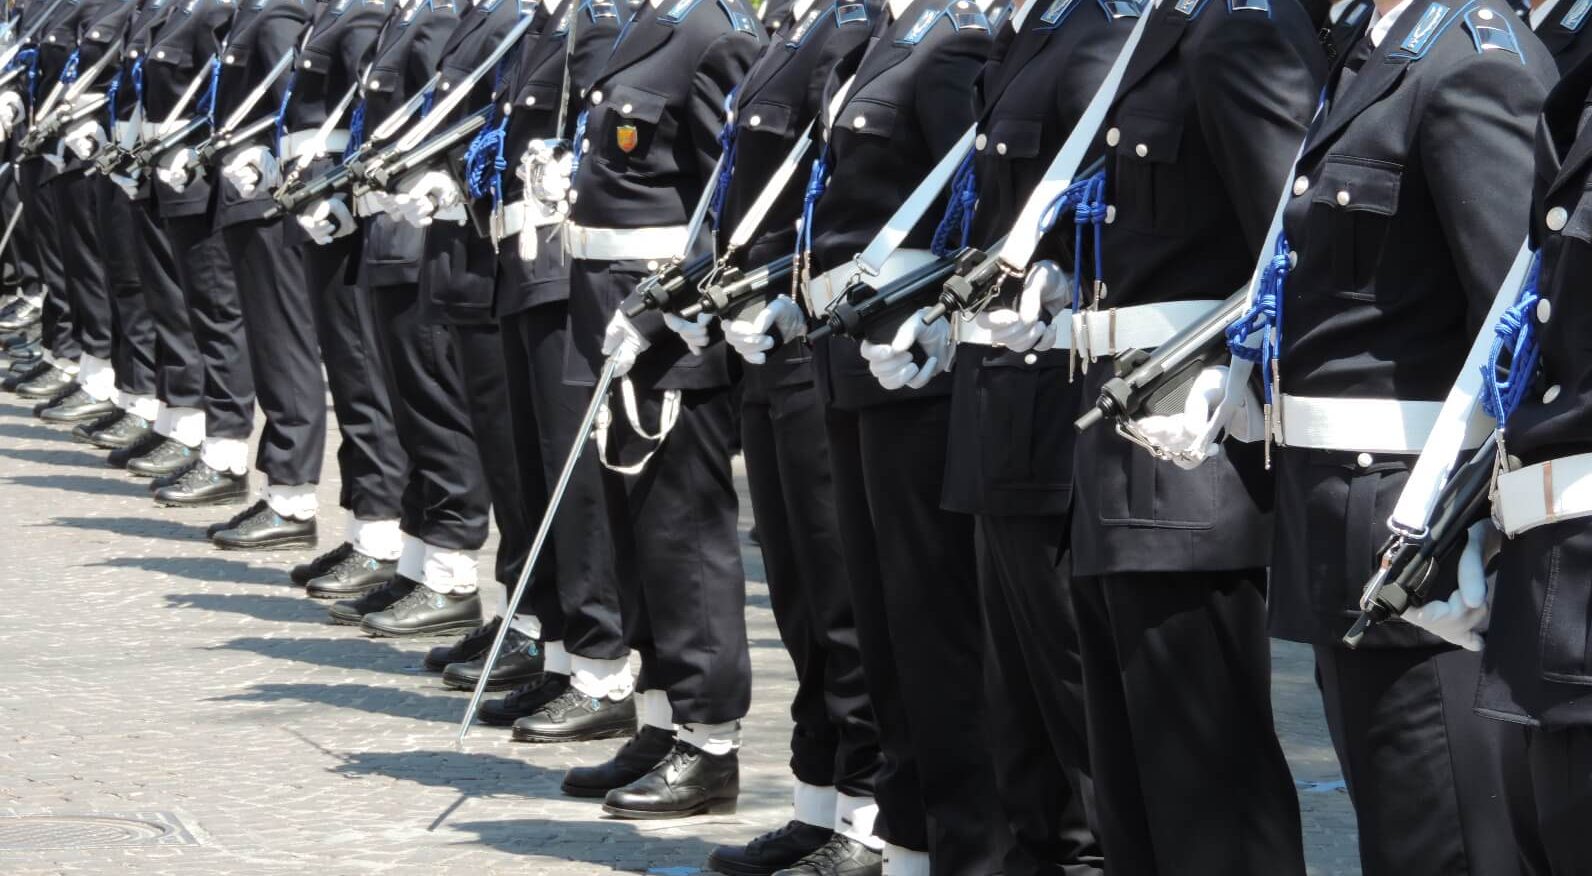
[(425, 54), (944, 94), (1475, 140), (279, 35), (359, 38), (723, 66), (1255, 89)]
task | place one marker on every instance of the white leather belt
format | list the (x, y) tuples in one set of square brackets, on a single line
[(1097, 334), (301, 143), (824, 289), (521, 215), (1371, 425), (1559, 489), (620, 244), (967, 331), (156, 130)]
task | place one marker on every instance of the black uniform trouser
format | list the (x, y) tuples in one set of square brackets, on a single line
[(370, 460), (677, 555), (1426, 774), (215, 314), (486, 396), (21, 262), (576, 592), (1033, 671), (1551, 803), (835, 741), (1189, 777), (44, 230), (87, 288), (445, 500), (134, 350), (179, 369), (284, 351), (915, 593)]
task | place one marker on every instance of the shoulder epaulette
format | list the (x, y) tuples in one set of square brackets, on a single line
[(850, 12), (1190, 9), (339, 7), (1491, 32), (488, 7), (678, 12), (1263, 6), (1057, 13), (1359, 11), (1576, 17), (738, 18), (966, 15), (597, 10), (997, 13), (1433, 21), (1115, 9)]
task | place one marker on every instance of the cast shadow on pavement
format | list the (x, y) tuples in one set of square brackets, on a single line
[(356, 653), (269, 608), (472, 775), (91, 484), (136, 527), (375, 699), (634, 847), (34, 431), (80, 456), (212, 569)]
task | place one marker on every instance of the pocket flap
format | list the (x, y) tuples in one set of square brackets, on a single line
[(1144, 137), (1014, 138), (315, 60), (179, 58), (633, 103), (382, 79), (868, 117), (1353, 186), (769, 117), (543, 95)]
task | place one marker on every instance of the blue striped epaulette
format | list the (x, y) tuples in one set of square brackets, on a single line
[(1193, 8), (963, 15)]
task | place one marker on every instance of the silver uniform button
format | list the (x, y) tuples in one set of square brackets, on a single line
[(1544, 310), (446, 86), (1550, 395), (1363, 460), (508, 108), (859, 122), (307, 63), (231, 59), (161, 54), (1301, 185), (652, 265), (1111, 213), (1113, 136), (573, 194), (585, 144), (754, 121), (1000, 148), (596, 98), (1030, 359), (627, 109), (530, 100), (1558, 217), (93, 34), (1142, 150), (980, 142), (1485, 15), (1343, 199), (1293, 259)]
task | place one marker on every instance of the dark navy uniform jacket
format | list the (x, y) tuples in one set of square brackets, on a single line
[(1564, 33), (1537, 663), (182, 49), (651, 141), (529, 99), (1406, 214), (406, 53), (1206, 125), (58, 41), (331, 62), (911, 100), (782, 93), (1011, 444), (102, 23)]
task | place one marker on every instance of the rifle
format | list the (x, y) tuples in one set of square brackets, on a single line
[(59, 109), (734, 288), (1159, 382), (39, 135), (221, 141), (113, 157), (668, 286), (862, 305), (1404, 576), (375, 169)]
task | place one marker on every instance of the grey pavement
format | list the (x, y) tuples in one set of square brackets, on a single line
[(168, 708)]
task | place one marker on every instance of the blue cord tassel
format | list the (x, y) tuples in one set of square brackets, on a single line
[(1086, 198), (207, 101), (281, 111), (577, 153), (69, 72), (356, 130), (1265, 316), (958, 218), (817, 182), (1517, 335), (728, 136)]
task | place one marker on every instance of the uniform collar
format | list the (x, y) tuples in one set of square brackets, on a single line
[(1381, 25), (1540, 14)]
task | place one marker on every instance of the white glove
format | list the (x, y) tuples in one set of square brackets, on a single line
[(11, 110), (779, 321), (1046, 289), (1179, 433), (693, 331), (1462, 617), (85, 139), (253, 168), (128, 184), (892, 363), (326, 220), (177, 171), (622, 344), (419, 201)]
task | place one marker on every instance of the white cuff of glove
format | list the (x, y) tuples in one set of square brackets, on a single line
[(1462, 617), (432, 192), (326, 220), (779, 321), (893, 364), (252, 169), (623, 343)]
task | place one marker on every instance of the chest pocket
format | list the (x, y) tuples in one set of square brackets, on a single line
[(630, 124), (540, 96), (766, 117), (1013, 138), (316, 59), (181, 59), (1352, 206), (864, 121), (1151, 193)]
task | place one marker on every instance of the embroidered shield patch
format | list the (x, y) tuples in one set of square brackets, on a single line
[(627, 138)]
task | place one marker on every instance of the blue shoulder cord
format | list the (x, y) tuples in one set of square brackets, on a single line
[(1264, 316), (356, 130), (484, 156), (69, 72), (111, 90), (33, 74), (1517, 335), (1086, 198), (207, 102), (281, 110), (577, 152), (727, 141), (958, 216), (817, 182)]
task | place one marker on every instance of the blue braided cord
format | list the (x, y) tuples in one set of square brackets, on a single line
[(1264, 315), (356, 130), (207, 101), (25, 56), (281, 110), (576, 151), (69, 72), (484, 162), (111, 91), (728, 136), (958, 216), (426, 102), (1517, 335), (817, 182), (138, 81), (33, 76), (1086, 198)]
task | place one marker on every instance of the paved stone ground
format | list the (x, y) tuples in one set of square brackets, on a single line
[(146, 673)]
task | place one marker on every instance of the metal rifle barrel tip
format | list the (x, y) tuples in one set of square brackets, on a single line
[(938, 310), (1089, 420), (693, 311)]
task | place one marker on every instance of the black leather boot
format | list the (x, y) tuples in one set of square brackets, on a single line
[(575, 717), (119, 457), (771, 852), (470, 646), (841, 856), (688, 782), (520, 662), (634, 759), (303, 573), (169, 458), (353, 611), (266, 530), (48, 384), (355, 574), (82, 431), (523, 700), (125, 431), (203, 486), (75, 407), (425, 612)]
